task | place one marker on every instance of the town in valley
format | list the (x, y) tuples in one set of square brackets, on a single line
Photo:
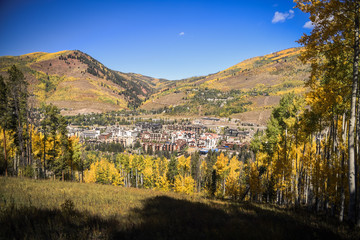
[(151, 135)]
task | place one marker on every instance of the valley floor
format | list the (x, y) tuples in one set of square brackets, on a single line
[(44, 209)]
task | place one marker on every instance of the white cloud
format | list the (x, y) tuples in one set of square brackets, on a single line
[(181, 34), (309, 25), (291, 14), (281, 17)]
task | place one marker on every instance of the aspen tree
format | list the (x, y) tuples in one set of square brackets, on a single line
[(336, 31), (184, 183), (222, 169)]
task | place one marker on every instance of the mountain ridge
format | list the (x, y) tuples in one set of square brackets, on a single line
[(73, 78)]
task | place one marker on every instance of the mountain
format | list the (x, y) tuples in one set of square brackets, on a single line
[(247, 90), (77, 83)]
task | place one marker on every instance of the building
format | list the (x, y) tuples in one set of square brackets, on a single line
[(149, 126), (179, 145), (154, 137), (90, 134), (105, 136), (208, 140), (232, 132), (198, 129)]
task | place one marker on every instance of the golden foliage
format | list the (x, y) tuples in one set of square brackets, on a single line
[(184, 184), (103, 172)]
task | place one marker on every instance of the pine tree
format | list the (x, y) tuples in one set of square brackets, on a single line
[(172, 169), (4, 117), (17, 100)]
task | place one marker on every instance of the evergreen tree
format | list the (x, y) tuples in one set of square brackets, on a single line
[(17, 100), (172, 169), (4, 113)]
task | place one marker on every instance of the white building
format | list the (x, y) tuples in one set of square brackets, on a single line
[(188, 136), (208, 140)]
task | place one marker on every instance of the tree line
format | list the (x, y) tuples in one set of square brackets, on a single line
[(309, 153), (216, 175)]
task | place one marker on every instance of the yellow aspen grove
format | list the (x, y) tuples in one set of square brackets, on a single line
[(89, 174), (333, 50), (37, 139), (141, 167), (138, 167), (184, 183), (162, 183), (281, 174), (254, 181), (74, 160), (103, 172), (129, 169), (160, 174), (7, 137), (148, 172), (183, 165), (308, 165), (233, 179), (221, 168)]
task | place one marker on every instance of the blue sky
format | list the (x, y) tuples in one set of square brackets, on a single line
[(164, 39)]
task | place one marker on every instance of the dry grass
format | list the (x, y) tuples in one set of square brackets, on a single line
[(39, 209)]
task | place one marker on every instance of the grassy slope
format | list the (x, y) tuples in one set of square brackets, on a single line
[(36, 209)]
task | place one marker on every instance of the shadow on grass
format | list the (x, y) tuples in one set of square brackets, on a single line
[(168, 218), (160, 218), (34, 223)]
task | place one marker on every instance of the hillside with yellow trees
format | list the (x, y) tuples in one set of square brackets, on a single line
[(77, 83)]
